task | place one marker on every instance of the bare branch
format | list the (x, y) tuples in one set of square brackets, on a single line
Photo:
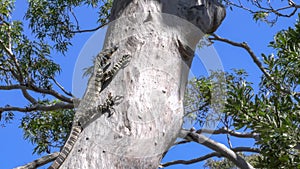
[(192, 161), (181, 142), (16, 64), (39, 162), (50, 92), (276, 11), (246, 149), (240, 5), (34, 88), (38, 107), (226, 123), (222, 131), (228, 131), (28, 96), (10, 87), (7, 50), (61, 87), (218, 147), (58, 84), (269, 9), (245, 46), (89, 30), (207, 156), (74, 16)]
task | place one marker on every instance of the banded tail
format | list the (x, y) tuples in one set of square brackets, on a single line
[(75, 131)]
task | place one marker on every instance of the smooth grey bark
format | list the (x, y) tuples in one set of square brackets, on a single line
[(148, 117), (217, 147)]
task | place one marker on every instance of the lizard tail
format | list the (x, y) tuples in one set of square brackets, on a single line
[(75, 131)]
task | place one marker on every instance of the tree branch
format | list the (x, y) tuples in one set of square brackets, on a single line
[(15, 61), (276, 11), (39, 162), (218, 147), (7, 50), (28, 96), (61, 87), (50, 92), (245, 46), (207, 156), (39, 90), (38, 107), (291, 5), (89, 30), (19, 77), (57, 84), (192, 161), (228, 131)]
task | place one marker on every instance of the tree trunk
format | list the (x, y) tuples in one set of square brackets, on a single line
[(148, 116)]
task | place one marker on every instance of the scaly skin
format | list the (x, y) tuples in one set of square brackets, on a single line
[(101, 77)]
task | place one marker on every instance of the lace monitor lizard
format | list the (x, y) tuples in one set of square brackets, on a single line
[(81, 119)]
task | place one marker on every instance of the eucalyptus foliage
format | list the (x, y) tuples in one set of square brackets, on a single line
[(47, 129), (272, 112), (28, 47)]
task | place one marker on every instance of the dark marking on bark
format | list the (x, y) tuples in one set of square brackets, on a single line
[(186, 52), (149, 17), (126, 121)]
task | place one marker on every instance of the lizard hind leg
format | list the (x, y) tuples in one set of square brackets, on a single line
[(95, 112), (107, 107)]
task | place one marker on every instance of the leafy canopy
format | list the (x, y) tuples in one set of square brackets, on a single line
[(273, 112)]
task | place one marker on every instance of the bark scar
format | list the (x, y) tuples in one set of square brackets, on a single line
[(126, 121), (186, 52)]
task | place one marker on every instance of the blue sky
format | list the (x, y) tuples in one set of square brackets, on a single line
[(237, 26)]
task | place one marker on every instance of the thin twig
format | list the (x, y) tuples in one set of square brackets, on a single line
[(57, 83), (76, 20), (61, 87), (227, 135), (192, 161), (89, 30), (268, 10)]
